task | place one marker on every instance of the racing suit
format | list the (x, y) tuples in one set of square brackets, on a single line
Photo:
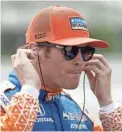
[(24, 110)]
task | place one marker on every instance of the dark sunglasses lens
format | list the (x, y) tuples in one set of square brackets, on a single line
[(87, 53), (70, 52)]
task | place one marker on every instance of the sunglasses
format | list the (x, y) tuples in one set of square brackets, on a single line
[(70, 52)]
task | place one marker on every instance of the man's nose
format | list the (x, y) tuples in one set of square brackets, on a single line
[(78, 60)]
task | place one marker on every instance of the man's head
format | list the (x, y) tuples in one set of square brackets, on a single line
[(61, 26), (58, 71)]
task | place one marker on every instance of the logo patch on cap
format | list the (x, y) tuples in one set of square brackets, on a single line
[(78, 23)]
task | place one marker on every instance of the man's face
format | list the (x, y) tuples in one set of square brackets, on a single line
[(61, 73)]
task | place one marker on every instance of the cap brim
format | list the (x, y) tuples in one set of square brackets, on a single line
[(81, 41)]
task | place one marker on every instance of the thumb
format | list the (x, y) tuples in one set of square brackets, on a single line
[(92, 79), (89, 74), (13, 57)]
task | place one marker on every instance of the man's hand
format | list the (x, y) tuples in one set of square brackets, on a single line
[(23, 64), (99, 74)]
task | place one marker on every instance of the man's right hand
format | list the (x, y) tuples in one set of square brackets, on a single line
[(23, 64)]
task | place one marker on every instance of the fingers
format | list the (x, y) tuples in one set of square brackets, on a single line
[(13, 57), (99, 61), (90, 74), (23, 55), (91, 78), (93, 68), (101, 58), (98, 64), (28, 53), (23, 64)]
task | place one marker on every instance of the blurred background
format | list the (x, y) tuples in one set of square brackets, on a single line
[(104, 22)]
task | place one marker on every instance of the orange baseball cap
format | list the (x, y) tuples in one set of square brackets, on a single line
[(62, 26)]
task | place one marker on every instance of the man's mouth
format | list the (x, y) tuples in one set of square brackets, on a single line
[(75, 75), (77, 72)]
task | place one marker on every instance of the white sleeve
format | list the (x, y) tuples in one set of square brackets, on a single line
[(109, 108)]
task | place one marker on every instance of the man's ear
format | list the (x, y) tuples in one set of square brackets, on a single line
[(33, 46)]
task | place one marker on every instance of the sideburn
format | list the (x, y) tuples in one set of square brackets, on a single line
[(47, 51)]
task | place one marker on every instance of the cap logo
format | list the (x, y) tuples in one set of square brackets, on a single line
[(78, 23), (40, 35)]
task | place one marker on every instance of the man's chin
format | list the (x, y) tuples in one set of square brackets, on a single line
[(71, 86), (71, 82)]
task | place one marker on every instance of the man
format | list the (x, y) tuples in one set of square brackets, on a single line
[(58, 50)]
